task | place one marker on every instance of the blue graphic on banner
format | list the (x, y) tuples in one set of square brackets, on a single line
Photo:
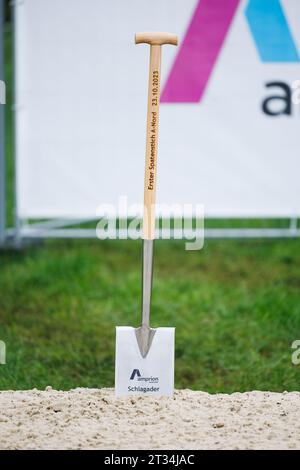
[(271, 31)]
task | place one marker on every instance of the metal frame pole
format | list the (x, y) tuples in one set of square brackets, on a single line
[(2, 136), (17, 238)]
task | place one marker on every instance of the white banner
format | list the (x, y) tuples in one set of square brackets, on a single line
[(229, 122)]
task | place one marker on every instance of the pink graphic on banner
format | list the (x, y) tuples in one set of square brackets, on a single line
[(199, 51)]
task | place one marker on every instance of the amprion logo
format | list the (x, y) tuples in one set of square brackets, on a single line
[(136, 373), (205, 37)]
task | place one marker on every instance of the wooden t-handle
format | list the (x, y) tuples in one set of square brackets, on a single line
[(156, 40)]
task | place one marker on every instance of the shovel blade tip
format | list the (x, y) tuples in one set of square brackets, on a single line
[(144, 337)]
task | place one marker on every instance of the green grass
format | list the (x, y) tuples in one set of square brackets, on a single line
[(235, 305)]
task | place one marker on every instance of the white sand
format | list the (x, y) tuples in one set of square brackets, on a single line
[(95, 419)]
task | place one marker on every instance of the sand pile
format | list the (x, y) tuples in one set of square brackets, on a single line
[(95, 419)]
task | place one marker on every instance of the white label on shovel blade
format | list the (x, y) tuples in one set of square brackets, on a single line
[(152, 375)]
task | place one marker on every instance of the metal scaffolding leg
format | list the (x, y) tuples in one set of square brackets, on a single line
[(2, 136)]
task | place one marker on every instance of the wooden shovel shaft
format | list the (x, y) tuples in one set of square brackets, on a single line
[(151, 143), (145, 334), (156, 40)]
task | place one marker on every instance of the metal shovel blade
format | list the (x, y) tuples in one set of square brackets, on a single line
[(138, 375), (144, 336)]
